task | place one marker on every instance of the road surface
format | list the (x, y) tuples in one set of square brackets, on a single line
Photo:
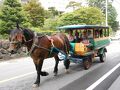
[(20, 74)]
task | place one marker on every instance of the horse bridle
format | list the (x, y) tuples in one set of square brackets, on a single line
[(20, 43)]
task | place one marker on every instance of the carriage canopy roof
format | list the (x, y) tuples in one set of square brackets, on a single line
[(71, 27)]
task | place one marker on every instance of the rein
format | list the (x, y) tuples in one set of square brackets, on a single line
[(16, 42)]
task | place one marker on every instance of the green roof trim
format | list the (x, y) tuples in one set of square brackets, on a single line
[(69, 27)]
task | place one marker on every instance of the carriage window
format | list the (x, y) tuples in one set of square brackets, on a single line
[(107, 32), (104, 32), (90, 34), (101, 32), (96, 33)]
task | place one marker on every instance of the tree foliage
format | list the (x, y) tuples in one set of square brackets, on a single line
[(51, 18), (50, 24), (112, 14), (73, 4), (11, 13), (84, 15), (97, 3), (34, 13), (53, 11)]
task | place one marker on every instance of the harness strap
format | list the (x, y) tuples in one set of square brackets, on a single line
[(52, 50), (52, 44), (51, 40), (33, 45)]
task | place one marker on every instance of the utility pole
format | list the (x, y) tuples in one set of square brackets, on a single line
[(106, 14)]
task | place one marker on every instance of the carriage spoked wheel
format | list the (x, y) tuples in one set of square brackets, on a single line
[(87, 62), (103, 57)]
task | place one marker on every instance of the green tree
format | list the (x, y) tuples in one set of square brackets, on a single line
[(34, 13), (53, 11), (11, 13), (48, 14), (97, 3), (51, 18), (74, 5), (84, 15), (50, 24), (112, 14)]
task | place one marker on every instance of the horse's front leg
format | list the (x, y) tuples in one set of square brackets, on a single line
[(56, 65), (67, 64), (38, 66)]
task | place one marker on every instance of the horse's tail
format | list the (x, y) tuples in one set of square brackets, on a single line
[(66, 44)]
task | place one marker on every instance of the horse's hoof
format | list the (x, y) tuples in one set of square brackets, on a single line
[(35, 85), (67, 71), (44, 73)]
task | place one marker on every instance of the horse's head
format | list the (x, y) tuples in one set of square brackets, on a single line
[(16, 39)]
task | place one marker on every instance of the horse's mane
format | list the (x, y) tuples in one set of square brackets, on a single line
[(29, 34)]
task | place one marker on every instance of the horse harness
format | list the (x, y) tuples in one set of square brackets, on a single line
[(52, 50)]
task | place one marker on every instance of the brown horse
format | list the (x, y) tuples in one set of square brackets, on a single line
[(39, 48)]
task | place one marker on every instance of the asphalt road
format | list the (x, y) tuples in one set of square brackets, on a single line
[(20, 74)]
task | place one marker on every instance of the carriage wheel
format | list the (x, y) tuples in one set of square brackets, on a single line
[(87, 63), (103, 57)]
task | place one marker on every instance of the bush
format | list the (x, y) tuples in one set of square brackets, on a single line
[(42, 31), (4, 36)]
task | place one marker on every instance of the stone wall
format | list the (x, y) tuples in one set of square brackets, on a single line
[(6, 55)]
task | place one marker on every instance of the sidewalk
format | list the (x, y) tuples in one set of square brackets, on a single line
[(115, 85)]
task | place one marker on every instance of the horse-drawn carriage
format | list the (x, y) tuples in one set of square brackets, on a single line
[(89, 41)]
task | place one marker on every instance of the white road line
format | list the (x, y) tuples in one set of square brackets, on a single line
[(16, 77), (103, 77), (24, 75)]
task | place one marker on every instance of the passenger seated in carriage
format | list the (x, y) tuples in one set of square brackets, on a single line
[(90, 35), (76, 36), (85, 38), (70, 36)]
